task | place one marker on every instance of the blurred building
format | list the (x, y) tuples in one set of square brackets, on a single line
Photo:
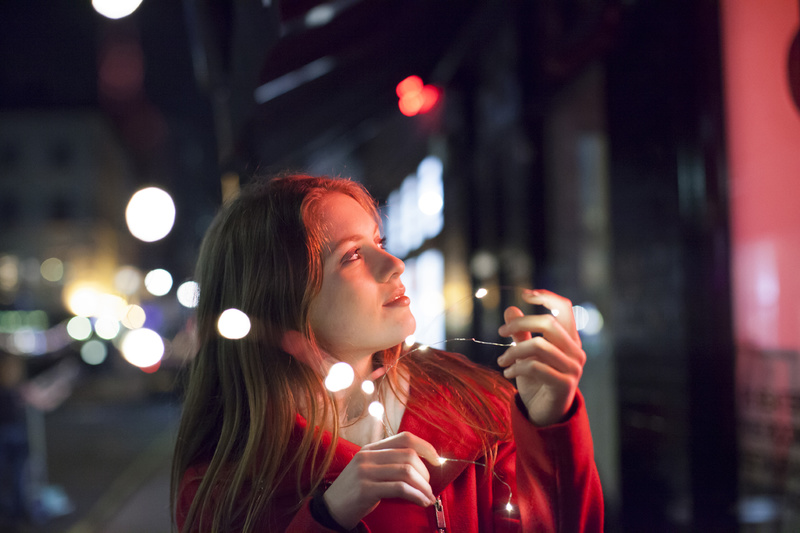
[(64, 180), (639, 157)]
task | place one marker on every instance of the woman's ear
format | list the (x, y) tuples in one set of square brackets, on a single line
[(300, 347)]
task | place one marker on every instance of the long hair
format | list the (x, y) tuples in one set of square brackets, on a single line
[(263, 255)]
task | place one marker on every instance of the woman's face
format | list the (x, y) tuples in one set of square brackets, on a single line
[(362, 307)]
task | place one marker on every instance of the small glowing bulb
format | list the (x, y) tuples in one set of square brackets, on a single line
[(442, 460), (410, 340), (555, 312), (480, 293), (340, 376), (233, 324), (509, 507), (376, 410), (368, 386), (423, 347)]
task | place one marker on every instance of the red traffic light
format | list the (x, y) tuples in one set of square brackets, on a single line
[(416, 97)]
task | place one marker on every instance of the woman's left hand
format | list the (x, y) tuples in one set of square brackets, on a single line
[(547, 367)]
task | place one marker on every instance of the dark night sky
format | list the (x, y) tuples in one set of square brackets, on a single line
[(50, 54)]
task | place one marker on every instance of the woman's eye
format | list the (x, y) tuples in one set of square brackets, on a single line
[(382, 243), (352, 255)]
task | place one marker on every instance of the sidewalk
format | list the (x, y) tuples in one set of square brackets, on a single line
[(111, 458)]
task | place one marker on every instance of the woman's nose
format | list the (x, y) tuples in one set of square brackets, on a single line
[(388, 266)]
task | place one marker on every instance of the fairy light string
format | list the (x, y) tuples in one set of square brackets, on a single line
[(341, 375), (377, 410), (509, 507)]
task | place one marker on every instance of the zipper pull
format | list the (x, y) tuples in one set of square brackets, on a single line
[(440, 522)]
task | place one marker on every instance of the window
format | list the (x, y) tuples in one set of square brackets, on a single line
[(415, 214)]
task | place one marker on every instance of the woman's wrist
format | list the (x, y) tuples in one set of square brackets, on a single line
[(321, 513)]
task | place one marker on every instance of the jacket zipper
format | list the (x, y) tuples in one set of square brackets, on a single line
[(440, 522)]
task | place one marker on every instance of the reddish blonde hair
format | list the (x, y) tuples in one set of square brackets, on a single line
[(263, 255)]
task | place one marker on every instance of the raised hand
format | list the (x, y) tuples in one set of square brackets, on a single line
[(547, 367), (390, 468)]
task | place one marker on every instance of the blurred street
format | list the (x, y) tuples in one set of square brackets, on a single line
[(108, 453)]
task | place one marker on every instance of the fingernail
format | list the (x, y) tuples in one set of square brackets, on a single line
[(532, 292)]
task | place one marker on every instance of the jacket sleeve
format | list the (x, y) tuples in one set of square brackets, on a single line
[(301, 522), (558, 487)]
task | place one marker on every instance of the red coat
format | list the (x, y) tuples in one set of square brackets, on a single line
[(550, 473)]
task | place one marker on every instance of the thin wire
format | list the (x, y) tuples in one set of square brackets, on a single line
[(494, 473), (458, 302), (422, 347), (473, 339)]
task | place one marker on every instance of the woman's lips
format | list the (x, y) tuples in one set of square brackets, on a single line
[(398, 299), (401, 301)]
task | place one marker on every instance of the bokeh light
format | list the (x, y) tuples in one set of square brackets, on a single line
[(29, 341), (83, 300), (142, 347), (110, 306), (9, 272), (94, 352), (430, 203), (150, 214), (340, 376), (588, 319), (416, 97), (376, 409), (79, 328), (188, 294), (106, 327), (480, 293), (127, 280), (158, 282), (115, 9), (52, 269), (233, 324), (319, 15), (133, 317), (368, 387)]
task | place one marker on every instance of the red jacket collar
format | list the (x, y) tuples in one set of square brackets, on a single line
[(452, 438)]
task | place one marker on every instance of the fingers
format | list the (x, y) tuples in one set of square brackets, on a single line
[(559, 345), (395, 480), (542, 350), (510, 315), (391, 468), (398, 459), (547, 325), (560, 307), (405, 439), (401, 456)]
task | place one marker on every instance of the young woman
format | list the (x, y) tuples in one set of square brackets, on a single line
[(264, 446)]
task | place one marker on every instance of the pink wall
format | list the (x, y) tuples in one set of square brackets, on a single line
[(763, 129)]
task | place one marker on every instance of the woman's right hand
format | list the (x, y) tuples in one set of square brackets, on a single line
[(389, 468)]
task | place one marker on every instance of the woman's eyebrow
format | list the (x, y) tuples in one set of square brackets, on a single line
[(351, 238)]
